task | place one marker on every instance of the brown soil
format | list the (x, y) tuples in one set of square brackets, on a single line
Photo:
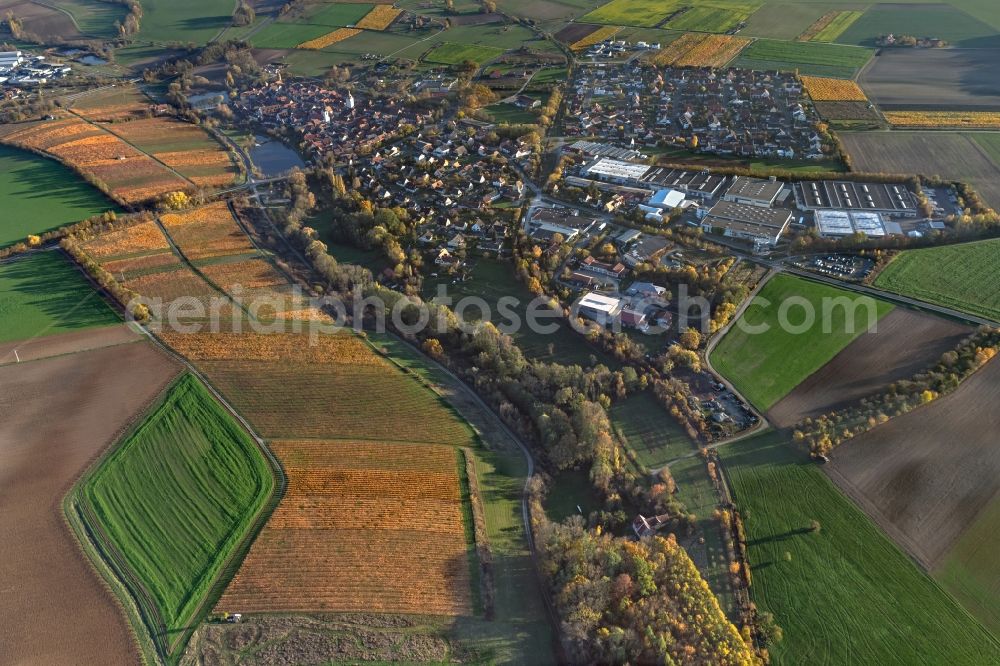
[(925, 476), (59, 414), (905, 343), (66, 343), (43, 21), (574, 32)]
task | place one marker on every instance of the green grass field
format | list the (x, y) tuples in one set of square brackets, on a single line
[(95, 18), (782, 20), (971, 570), (845, 594), (934, 20), (44, 294), (651, 432), (510, 114), (715, 15), (195, 21), (955, 276), (450, 53), (766, 366), (643, 13), (837, 26), (177, 495), (39, 194), (335, 14), (814, 58)]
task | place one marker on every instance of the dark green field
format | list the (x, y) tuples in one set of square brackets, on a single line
[(39, 194), (176, 497), (933, 20), (651, 432), (956, 276), (44, 294), (845, 594), (450, 53), (766, 366), (813, 58)]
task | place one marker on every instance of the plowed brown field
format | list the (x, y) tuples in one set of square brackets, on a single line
[(59, 414), (906, 343)]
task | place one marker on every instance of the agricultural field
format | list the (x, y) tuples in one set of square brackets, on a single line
[(812, 58), (332, 14), (336, 387), (921, 20), (379, 18), (955, 276), (926, 79), (40, 195), (330, 38), (183, 147), (700, 50), (886, 609), (943, 119), (183, 21), (973, 157), (782, 20), (766, 366), (45, 294), (55, 607), (830, 26), (104, 159), (68, 20), (906, 343), (450, 53), (847, 111), (649, 430), (364, 526), (822, 89), (714, 15), (174, 500), (643, 13), (594, 37), (708, 16), (207, 232)]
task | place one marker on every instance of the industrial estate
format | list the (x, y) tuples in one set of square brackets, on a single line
[(499, 332)]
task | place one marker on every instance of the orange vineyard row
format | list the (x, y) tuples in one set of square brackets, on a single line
[(338, 35)]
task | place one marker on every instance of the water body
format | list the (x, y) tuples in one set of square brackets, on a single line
[(209, 100), (272, 157), (92, 60)]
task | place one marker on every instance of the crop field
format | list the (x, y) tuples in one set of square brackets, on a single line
[(921, 20), (925, 79), (696, 49), (66, 19), (927, 476), (952, 275), (714, 15), (783, 20), (337, 387), (765, 366), (944, 119), (450, 53), (379, 18), (576, 32), (102, 157), (830, 26), (175, 290), (887, 610), (141, 239), (44, 294), (209, 231), (812, 58), (44, 574), (183, 21), (363, 526), (643, 13), (184, 147), (330, 38), (847, 111), (905, 343), (967, 156), (822, 89), (332, 14), (40, 194), (189, 470), (650, 431), (597, 36)]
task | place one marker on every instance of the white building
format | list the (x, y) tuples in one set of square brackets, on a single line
[(754, 191), (666, 199), (838, 223), (599, 307), (615, 171)]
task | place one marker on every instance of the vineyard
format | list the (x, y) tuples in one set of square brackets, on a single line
[(934, 119), (363, 526), (823, 89), (142, 238), (330, 38), (379, 18), (701, 50), (596, 37), (254, 275), (209, 231)]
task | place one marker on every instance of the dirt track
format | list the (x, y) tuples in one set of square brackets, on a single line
[(925, 476), (59, 414), (906, 343)]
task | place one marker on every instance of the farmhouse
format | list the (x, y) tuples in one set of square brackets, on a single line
[(762, 226), (888, 198), (754, 191), (600, 308)]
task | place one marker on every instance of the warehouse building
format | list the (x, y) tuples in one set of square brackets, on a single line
[(615, 171), (754, 191), (600, 308), (761, 226), (886, 198)]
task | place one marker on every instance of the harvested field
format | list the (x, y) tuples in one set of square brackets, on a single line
[(595, 37), (363, 526), (925, 476), (905, 343), (934, 79), (55, 608), (291, 388), (574, 32), (955, 155), (846, 111), (209, 231), (66, 343)]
